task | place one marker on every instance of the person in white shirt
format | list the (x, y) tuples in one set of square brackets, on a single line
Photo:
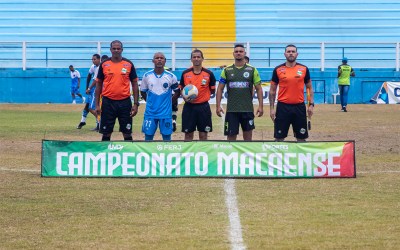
[(156, 89)]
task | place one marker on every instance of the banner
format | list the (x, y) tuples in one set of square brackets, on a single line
[(388, 93), (160, 159)]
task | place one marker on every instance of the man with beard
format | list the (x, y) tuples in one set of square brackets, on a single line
[(239, 79), (290, 110)]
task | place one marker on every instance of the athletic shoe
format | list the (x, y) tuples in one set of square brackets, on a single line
[(173, 125), (80, 125), (344, 109), (83, 99), (96, 128)]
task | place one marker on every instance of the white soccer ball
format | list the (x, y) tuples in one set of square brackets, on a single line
[(190, 92)]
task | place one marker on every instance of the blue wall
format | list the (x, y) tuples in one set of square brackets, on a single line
[(53, 85)]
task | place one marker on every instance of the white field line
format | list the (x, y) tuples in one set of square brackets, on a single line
[(377, 172), (19, 170), (235, 228), (358, 172)]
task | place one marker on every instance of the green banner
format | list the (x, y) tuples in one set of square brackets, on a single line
[(198, 159)]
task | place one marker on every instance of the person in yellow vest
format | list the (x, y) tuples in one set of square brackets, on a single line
[(345, 71)]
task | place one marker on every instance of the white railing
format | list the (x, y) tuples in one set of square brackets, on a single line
[(320, 55)]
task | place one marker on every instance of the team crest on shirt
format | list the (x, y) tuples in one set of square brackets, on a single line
[(203, 82), (246, 74), (123, 71), (299, 72), (165, 85)]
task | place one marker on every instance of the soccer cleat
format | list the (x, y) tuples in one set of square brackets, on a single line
[(95, 128), (83, 99), (173, 125), (80, 125)]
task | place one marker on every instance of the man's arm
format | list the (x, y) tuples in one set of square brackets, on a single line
[(135, 90), (99, 87), (310, 90), (176, 95), (88, 78), (218, 99), (272, 97), (352, 72), (260, 110)]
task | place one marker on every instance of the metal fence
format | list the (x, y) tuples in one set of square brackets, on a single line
[(263, 55)]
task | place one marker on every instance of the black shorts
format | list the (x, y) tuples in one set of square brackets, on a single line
[(196, 116), (294, 114), (233, 119), (113, 109)]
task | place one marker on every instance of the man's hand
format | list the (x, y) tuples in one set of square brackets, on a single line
[(260, 111), (310, 111), (98, 110), (187, 100), (134, 110), (220, 111), (272, 114)]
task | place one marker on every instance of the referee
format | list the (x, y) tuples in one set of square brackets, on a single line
[(290, 110)]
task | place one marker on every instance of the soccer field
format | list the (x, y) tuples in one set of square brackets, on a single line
[(195, 213)]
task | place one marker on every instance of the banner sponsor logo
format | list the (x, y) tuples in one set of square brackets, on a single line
[(388, 93), (198, 159)]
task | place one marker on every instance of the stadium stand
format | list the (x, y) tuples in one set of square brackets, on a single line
[(56, 34)]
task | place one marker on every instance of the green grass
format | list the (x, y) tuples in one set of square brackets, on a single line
[(119, 213)]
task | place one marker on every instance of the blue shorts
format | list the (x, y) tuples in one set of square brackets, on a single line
[(74, 89), (91, 101), (150, 125)]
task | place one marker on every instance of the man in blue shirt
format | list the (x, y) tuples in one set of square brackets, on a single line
[(156, 89)]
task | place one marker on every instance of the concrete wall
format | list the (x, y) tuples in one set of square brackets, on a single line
[(53, 85)]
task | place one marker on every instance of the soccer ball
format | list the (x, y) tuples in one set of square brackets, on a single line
[(190, 92)]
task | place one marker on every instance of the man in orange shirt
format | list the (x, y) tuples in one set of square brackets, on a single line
[(291, 78), (197, 113), (115, 78)]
